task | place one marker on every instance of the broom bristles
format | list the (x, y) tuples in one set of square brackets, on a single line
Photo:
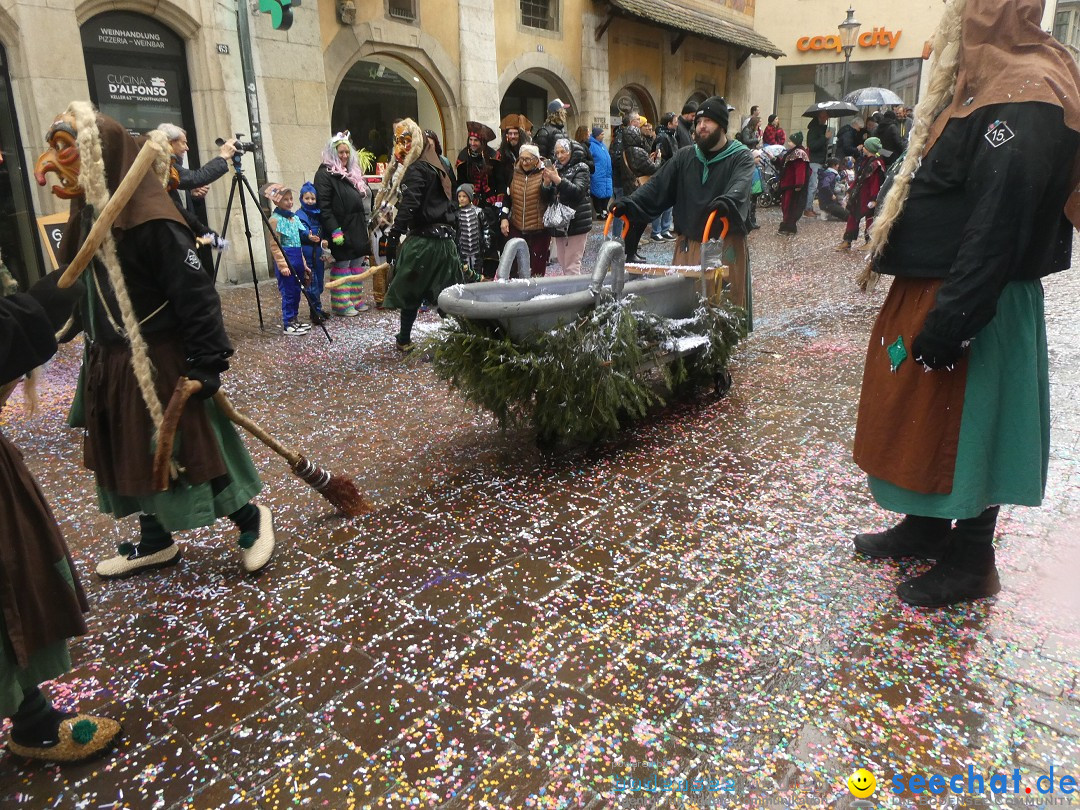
[(342, 492)]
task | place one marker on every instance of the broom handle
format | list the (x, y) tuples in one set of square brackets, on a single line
[(343, 280), (107, 216), (255, 429)]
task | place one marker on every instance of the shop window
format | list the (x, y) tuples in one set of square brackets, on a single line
[(402, 10), (540, 14)]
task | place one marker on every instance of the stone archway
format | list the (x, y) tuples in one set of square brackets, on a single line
[(549, 78), (634, 97), (165, 11), (401, 50)]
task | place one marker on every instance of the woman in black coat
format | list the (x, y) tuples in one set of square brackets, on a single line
[(570, 178), (341, 191)]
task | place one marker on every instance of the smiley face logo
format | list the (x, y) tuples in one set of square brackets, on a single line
[(862, 783)]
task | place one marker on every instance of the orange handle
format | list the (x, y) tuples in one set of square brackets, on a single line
[(610, 219), (709, 224)]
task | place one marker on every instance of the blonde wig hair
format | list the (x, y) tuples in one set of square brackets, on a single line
[(384, 209), (95, 188), (939, 94)]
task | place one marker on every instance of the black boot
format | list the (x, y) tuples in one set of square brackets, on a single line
[(914, 536), (966, 570)]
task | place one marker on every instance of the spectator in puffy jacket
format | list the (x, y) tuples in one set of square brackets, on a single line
[(523, 208), (581, 138), (553, 128), (600, 186), (849, 139), (569, 179), (750, 134)]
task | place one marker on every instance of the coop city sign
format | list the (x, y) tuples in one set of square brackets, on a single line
[(867, 39)]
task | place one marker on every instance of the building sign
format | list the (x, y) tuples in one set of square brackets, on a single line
[(877, 38), (123, 85), (130, 33), (51, 228)]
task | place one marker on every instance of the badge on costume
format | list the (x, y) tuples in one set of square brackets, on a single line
[(897, 353), (192, 260), (998, 133)]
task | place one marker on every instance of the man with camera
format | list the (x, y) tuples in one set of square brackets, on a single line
[(197, 181)]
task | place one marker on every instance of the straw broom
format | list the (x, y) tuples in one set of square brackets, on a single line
[(343, 280), (339, 490)]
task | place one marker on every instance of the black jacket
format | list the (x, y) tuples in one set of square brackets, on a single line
[(546, 136), (665, 142), (573, 190), (170, 292), (202, 176), (848, 140), (817, 142), (889, 134), (684, 135), (679, 184), (26, 337), (423, 201), (635, 161), (342, 206), (980, 216)]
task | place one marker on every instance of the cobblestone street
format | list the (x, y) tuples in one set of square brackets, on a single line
[(517, 629)]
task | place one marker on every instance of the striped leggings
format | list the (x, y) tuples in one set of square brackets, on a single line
[(348, 295)]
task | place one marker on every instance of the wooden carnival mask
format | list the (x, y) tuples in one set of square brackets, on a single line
[(61, 158), (402, 144)]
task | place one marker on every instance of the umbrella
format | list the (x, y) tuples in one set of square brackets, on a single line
[(873, 97), (835, 109), (515, 120), (483, 131)]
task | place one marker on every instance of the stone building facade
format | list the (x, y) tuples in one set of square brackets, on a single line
[(219, 67)]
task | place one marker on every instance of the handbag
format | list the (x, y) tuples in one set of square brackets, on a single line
[(558, 216)]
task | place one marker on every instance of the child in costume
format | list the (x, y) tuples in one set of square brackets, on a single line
[(313, 249), (292, 272), (151, 315), (862, 201), (470, 233), (794, 178)]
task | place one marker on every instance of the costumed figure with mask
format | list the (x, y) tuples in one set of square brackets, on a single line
[(427, 260), (795, 170), (150, 316), (41, 597), (954, 417), (476, 165)]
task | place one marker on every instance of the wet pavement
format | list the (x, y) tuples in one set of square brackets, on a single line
[(514, 629)]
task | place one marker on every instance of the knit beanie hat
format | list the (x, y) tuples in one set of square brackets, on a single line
[(872, 145), (796, 138), (689, 107), (714, 108), (596, 131), (467, 188), (529, 149)]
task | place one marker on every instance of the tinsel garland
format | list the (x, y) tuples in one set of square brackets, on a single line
[(583, 380)]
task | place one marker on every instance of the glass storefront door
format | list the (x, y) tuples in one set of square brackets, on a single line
[(19, 248)]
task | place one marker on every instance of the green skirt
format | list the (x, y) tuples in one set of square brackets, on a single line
[(1004, 445), (425, 267), (46, 664), (184, 506)]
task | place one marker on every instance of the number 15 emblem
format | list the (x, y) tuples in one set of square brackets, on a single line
[(998, 133)]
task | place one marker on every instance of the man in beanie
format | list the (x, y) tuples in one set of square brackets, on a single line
[(862, 201), (817, 145), (684, 135), (554, 127), (713, 175)]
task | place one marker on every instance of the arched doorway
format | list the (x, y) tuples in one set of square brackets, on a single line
[(374, 93), (632, 97), (529, 94), (18, 236), (137, 69), (697, 98)]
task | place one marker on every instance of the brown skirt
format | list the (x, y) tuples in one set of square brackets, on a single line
[(908, 427), (118, 444), (41, 606)]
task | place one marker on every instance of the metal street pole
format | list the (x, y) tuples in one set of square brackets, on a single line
[(849, 35)]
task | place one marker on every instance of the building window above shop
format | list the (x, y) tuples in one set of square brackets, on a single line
[(540, 14), (401, 10)]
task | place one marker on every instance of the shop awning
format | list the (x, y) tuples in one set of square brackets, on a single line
[(685, 20)]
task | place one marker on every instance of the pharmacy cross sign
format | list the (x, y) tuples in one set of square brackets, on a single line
[(280, 12)]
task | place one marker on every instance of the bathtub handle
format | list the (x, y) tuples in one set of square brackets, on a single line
[(709, 224), (515, 253), (625, 227)]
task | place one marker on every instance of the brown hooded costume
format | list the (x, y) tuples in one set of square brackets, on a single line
[(984, 220)]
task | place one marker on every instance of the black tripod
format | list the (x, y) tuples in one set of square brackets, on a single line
[(240, 181)]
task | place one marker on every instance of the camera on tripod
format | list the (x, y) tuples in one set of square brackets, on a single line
[(242, 148)]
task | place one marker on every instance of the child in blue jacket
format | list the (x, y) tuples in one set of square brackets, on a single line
[(313, 248)]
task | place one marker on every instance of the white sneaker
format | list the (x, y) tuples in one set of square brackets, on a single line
[(350, 312), (129, 561), (258, 554), (296, 330), (361, 307)]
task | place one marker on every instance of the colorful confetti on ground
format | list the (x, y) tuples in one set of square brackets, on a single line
[(514, 628)]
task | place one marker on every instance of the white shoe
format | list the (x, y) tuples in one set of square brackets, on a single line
[(351, 312), (258, 554), (296, 330), (125, 565), (361, 307)]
